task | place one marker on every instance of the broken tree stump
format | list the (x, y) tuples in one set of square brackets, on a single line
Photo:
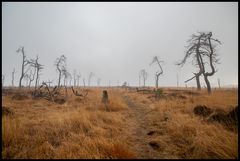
[(105, 100)]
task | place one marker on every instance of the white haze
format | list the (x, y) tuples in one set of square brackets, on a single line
[(115, 40)]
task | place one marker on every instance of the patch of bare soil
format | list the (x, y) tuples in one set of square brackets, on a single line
[(139, 128)]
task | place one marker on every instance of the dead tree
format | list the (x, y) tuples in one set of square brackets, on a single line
[(66, 75), (158, 73), (144, 76), (193, 49), (38, 67), (25, 62), (210, 45), (48, 94), (60, 64), (203, 52), (13, 73), (76, 93), (89, 78)]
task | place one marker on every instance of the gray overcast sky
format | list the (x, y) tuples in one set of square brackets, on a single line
[(115, 40)]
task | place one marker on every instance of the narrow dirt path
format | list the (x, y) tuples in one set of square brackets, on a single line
[(138, 127)]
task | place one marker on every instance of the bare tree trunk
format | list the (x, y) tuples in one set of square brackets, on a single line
[(59, 78), (208, 84), (22, 75), (198, 82), (36, 82), (157, 78), (24, 63)]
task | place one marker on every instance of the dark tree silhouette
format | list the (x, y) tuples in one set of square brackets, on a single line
[(203, 51), (60, 64), (38, 67), (158, 73), (210, 52), (25, 62)]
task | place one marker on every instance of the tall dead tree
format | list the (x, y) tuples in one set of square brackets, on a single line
[(158, 73), (203, 52), (60, 64), (13, 73), (144, 76), (193, 49), (38, 67), (25, 62), (89, 78), (210, 45), (66, 75)]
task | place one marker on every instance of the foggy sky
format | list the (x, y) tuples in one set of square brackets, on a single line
[(115, 40)]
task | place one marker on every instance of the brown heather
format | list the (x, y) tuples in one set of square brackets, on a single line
[(137, 126)]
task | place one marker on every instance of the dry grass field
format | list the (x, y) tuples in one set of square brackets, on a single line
[(138, 126)]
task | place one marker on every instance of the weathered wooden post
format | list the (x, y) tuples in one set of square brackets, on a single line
[(105, 100)]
